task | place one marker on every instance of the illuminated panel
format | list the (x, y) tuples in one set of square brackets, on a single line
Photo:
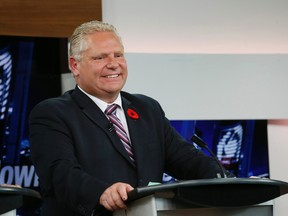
[(5, 80)]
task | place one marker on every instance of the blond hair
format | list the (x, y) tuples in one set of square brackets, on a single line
[(78, 39)]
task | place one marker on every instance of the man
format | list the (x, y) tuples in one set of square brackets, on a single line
[(88, 162)]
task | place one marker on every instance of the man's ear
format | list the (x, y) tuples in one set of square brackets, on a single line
[(73, 65)]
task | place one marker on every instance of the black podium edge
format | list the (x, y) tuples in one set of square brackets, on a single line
[(170, 189), (11, 190)]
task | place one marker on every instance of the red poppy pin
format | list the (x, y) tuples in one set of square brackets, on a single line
[(132, 114)]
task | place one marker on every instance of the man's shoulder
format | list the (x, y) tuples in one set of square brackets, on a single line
[(138, 98), (57, 101)]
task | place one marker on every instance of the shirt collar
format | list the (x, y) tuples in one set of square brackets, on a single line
[(102, 104)]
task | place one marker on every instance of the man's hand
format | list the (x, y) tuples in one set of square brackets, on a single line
[(113, 197)]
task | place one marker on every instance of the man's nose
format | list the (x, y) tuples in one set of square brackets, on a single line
[(112, 63)]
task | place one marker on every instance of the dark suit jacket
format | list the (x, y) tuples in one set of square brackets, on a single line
[(77, 157)]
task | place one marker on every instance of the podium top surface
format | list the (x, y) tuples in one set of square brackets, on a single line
[(6, 190), (222, 192)]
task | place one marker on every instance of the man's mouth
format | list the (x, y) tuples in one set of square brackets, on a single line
[(112, 76)]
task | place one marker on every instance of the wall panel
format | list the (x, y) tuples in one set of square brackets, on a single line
[(51, 18)]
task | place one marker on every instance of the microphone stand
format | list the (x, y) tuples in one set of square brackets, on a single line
[(197, 140)]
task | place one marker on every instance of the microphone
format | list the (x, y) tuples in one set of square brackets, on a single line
[(197, 140), (110, 127)]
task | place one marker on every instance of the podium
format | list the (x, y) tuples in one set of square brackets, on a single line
[(209, 197), (12, 198)]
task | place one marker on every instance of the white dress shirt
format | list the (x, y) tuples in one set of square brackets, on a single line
[(119, 111)]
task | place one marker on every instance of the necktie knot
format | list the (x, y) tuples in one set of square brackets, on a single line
[(111, 109)]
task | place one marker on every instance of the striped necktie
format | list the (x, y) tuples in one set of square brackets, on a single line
[(111, 113)]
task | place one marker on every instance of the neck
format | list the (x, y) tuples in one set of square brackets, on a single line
[(108, 97)]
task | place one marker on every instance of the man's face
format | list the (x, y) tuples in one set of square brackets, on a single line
[(102, 71)]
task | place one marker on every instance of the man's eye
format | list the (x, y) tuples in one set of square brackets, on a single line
[(119, 55), (98, 58)]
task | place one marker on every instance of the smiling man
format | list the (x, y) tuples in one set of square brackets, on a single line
[(95, 143), (101, 68)]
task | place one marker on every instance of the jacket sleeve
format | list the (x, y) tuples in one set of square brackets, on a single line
[(182, 159)]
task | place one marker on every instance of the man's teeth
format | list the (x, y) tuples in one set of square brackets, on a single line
[(112, 76)]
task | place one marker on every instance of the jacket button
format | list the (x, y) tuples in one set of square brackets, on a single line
[(140, 182)]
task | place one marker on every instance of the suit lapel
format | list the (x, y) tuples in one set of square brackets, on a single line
[(95, 114), (135, 127)]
